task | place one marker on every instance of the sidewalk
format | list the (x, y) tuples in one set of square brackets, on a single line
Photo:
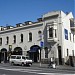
[(61, 67), (65, 67)]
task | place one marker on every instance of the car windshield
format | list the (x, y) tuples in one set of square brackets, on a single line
[(18, 57)]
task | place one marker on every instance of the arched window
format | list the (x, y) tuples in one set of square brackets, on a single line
[(0, 41), (21, 37), (30, 36), (14, 38), (40, 35)]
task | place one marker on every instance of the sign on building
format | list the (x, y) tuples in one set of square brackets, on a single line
[(41, 44)]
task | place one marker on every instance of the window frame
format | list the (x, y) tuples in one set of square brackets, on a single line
[(67, 52), (14, 39), (0, 41), (7, 40), (21, 37), (30, 37), (50, 32)]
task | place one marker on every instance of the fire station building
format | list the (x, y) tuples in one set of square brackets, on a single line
[(52, 36)]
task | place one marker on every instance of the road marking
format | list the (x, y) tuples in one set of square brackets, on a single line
[(19, 69), (54, 74), (33, 71)]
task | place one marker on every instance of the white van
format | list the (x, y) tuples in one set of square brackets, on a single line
[(20, 60)]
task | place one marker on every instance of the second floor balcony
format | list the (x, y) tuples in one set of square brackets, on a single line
[(52, 32)]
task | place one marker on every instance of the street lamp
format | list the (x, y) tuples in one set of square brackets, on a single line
[(40, 57)]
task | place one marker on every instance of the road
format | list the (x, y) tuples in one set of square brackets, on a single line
[(7, 69)]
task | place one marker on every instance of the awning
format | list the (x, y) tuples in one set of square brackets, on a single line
[(34, 48)]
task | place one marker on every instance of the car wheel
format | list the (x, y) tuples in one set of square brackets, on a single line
[(22, 64), (30, 64), (12, 63)]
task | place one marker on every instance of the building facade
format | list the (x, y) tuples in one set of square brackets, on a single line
[(52, 36)]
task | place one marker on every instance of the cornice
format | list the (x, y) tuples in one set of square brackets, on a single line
[(21, 28)]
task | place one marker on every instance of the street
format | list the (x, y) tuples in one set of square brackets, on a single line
[(7, 69)]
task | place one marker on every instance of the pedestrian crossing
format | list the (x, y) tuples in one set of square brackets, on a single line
[(32, 71)]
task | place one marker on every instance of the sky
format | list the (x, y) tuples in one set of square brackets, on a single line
[(19, 11)]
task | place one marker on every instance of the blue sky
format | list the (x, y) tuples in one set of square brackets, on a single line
[(19, 11)]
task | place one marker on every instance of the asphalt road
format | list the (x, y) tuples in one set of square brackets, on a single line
[(7, 69)]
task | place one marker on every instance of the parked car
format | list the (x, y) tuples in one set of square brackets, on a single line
[(20, 60)]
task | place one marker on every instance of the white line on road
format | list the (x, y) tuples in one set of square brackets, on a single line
[(54, 74), (34, 71)]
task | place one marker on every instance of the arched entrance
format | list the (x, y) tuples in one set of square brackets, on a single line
[(3, 55), (34, 53), (17, 51)]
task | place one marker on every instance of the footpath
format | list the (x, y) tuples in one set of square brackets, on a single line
[(61, 67)]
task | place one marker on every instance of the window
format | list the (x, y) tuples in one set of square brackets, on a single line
[(67, 53), (46, 52), (21, 37), (73, 37), (18, 57), (40, 35), (51, 32), (7, 40), (66, 34), (30, 37), (0, 41), (23, 57), (70, 36), (39, 32), (14, 38), (72, 22), (55, 33), (73, 52)]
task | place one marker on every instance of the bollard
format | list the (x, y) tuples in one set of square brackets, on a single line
[(53, 66)]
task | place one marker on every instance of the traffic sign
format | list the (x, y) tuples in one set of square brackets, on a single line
[(41, 44)]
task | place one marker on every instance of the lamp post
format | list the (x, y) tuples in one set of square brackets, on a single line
[(40, 57), (41, 45)]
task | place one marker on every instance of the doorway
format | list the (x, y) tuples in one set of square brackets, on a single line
[(34, 53), (3, 55), (34, 56), (17, 51), (59, 55)]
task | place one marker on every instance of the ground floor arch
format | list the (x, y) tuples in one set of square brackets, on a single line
[(3, 55), (34, 53), (17, 51)]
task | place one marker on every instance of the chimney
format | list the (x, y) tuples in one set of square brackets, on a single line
[(28, 22), (8, 27), (19, 24), (39, 19), (1, 28)]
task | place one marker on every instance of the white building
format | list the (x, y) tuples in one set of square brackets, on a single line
[(51, 36)]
